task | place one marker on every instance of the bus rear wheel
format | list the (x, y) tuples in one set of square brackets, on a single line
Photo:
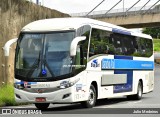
[(137, 96), (42, 106), (91, 99)]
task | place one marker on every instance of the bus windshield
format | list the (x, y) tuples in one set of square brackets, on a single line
[(43, 55)]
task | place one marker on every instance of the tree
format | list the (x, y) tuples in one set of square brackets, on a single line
[(154, 32)]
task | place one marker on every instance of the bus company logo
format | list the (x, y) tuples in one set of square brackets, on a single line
[(95, 63), (40, 90)]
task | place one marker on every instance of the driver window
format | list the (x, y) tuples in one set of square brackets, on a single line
[(78, 57)]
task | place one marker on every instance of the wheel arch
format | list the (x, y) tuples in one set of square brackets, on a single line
[(94, 83), (141, 81)]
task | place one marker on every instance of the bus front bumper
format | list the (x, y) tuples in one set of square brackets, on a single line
[(60, 96)]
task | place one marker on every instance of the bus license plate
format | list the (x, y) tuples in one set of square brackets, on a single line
[(40, 99)]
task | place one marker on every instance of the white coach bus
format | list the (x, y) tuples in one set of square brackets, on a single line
[(80, 60)]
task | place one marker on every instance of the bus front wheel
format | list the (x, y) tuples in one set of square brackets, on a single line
[(91, 99), (42, 106)]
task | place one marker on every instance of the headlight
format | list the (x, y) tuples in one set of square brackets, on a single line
[(67, 83), (18, 86), (64, 84)]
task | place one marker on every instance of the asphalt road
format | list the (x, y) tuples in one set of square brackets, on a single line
[(122, 105)]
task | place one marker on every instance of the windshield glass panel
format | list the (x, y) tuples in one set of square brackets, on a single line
[(43, 55), (29, 49), (57, 52)]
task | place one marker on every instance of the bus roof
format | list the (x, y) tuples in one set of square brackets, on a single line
[(58, 24)]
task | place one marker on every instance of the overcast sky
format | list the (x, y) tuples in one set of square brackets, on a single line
[(77, 6)]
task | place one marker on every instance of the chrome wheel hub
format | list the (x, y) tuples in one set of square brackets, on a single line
[(91, 97), (140, 92)]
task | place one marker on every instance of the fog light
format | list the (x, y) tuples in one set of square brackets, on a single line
[(66, 95), (18, 96)]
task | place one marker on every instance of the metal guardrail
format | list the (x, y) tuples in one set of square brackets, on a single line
[(119, 12)]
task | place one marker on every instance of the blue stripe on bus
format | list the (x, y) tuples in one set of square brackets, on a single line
[(22, 83), (129, 85), (115, 30), (124, 87), (127, 64), (123, 57)]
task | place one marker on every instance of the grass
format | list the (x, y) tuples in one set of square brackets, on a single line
[(7, 96), (156, 45)]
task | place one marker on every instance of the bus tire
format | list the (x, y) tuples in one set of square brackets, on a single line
[(137, 96), (91, 99), (42, 106)]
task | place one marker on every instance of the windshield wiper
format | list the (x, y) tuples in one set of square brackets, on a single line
[(46, 64), (34, 66)]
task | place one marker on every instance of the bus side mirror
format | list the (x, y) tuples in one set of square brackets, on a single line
[(74, 44), (7, 46)]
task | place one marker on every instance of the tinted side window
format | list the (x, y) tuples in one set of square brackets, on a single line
[(104, 42), (148, 48), (99, 43), (145, 47), (129, 45), (117, 44), (82, 48)]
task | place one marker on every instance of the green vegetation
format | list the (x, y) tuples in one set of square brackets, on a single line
[(154, 31), (156, 45), (7, 96)]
